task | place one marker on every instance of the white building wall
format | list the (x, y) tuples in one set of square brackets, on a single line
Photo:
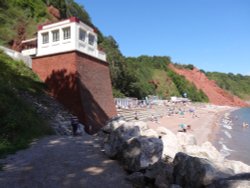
[(63, 45), (84, 46), (73, 43), (17, 56)]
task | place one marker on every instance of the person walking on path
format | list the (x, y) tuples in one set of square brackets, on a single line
[(74, 124)]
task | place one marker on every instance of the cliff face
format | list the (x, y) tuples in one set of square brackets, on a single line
[(215, 94), (21, 33)]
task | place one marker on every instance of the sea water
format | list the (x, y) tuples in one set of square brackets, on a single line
[(233, 139)]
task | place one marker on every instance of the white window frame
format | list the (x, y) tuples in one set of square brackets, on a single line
[(91, 42), (45, 38), (82, 33), (66, 33), (55, 35)]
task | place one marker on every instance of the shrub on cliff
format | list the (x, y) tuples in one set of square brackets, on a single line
[(19, 123), (184, 86), (236, 84)]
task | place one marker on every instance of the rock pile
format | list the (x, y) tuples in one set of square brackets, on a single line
[(58, 117), (127, 142), (159, 158)]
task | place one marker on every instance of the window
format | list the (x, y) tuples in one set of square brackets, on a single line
[(45, 37), (55, 35), (91, 39), (82, 35), (66, 33)]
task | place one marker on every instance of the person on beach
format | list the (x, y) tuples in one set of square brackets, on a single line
[(192, 111), (189, 129), (183, 127)]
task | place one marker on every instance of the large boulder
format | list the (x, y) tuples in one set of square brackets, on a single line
[(193, 172), (175, 186), (163, 131), (206, 150), (113, 124), (149, 133), (120, 131), (160, 173), (237, 166), (137, 180), (170, 142), (116, 122), (119, 138), (141, 152), (186, 139), (142, 125), (237, 181)]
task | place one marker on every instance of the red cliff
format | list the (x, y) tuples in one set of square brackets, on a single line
[(215, 94)]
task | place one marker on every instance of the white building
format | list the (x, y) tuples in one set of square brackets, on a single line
[(64, 36)]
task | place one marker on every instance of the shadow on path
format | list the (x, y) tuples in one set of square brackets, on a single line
[(58, 161)]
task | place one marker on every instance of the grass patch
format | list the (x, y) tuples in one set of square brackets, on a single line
[(19, 122), (166, 87)]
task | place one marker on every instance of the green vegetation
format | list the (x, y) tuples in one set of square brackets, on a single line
[(184, 66), (132, 77), (166, 86), (20, 17), (145, 75), (68, 8), (137, 80), (236, 84), (185, 86), (19, 122)]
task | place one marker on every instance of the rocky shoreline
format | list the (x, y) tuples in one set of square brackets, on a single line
[(160, 158), (156, 157)]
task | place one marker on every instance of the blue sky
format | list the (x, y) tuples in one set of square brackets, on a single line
[(213, 35)]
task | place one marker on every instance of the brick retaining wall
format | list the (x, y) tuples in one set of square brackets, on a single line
[(81, 83)]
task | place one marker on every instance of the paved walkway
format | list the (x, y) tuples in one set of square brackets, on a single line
[(62, 161)]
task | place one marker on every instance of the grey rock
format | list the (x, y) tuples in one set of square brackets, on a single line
[(160, 167), (162, 131), (170, 142), (113, 124), (141, 152), (149, 133), (206, 150), (186, 139), (236, 166), (118, 139), (137, 179), (160, 173), (193, 172), (142, 125), (237, 181), (175, 186)]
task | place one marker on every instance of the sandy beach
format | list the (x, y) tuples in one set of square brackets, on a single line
[(204, 120)]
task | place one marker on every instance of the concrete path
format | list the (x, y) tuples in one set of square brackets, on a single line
[(62, 161)]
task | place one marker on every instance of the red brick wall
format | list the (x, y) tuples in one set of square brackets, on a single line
[(96, 90), (81, 83)]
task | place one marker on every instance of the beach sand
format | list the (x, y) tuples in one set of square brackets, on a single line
[(204, 125)]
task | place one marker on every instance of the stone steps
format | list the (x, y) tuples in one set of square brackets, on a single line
[(143, 114)]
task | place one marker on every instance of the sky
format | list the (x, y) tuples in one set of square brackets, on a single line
[(213, 35)]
